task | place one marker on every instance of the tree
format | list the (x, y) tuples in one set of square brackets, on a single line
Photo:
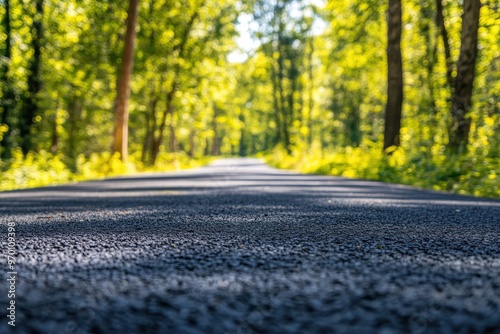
[(283, 33), (185, 42), (446, 43), (394, 76), (462, 94), (179, 49), (123, 89), (7, 92), (31, 109)]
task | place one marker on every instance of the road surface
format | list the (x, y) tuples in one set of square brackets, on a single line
[(239, 247)]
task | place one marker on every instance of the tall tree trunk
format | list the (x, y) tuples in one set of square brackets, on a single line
[(462, 95), (279, 30), (282, 99), (147, 138), (242, 150), (30, 108), (8, 94), (150, 115), (169, 110), (353, 125), (310, 92), (75, 109), (192, 143), (432, 60), (446, 42), (427, 103), (243, 144), (293, 74), (215, 140), (54, 147), (123, 89), (394, 76), (173, 137), (277, 108)]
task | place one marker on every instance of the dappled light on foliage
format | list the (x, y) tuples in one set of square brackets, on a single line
[(44, 169), (467, 174), (310, 91)]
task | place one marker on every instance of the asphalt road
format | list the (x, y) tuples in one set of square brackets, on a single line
[(239, 247)]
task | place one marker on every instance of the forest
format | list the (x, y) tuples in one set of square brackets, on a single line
[(398, 91)]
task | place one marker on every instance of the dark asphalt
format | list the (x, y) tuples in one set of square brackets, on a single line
[(238, 247)]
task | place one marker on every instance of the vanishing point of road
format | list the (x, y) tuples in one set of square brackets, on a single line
[(239, 247)]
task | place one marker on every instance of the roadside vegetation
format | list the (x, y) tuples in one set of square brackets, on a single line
[(46, 169), (388, 90), (466, 174)]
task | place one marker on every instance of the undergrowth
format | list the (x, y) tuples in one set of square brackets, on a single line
[(475, 173), (45, 169)]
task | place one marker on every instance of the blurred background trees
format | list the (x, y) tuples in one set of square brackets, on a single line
[(308, 88)]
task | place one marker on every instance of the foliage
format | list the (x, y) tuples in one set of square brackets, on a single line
[(471, 174), (44, 168), (317, 94)]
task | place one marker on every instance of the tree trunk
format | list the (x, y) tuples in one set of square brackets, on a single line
[(75, 109), (446, 42), (169, 110), (8, 94), (462, 95), (30, 108), (123, 89), (276, 105), (215, 140), (173, 137), (54, 147), (242, 150), (150, 116), (353, 125), (394, 76), (310, 93), (293, 74), (427, 102), (282, 99), (192, 143)]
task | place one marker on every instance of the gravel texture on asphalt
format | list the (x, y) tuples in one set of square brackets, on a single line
[(239, 247)]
